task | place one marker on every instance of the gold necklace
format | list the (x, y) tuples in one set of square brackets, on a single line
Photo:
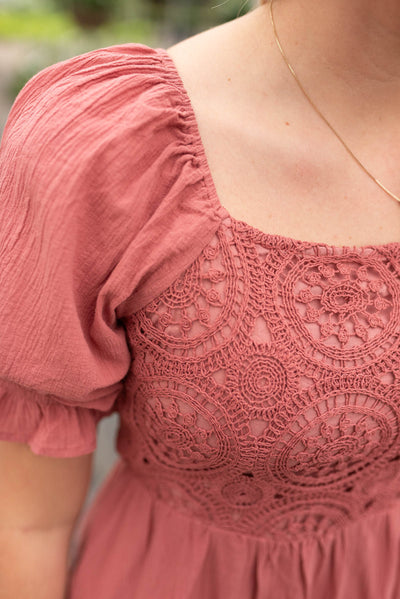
[(392, 195)]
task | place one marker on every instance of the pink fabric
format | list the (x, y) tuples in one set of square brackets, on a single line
[(256, 376)]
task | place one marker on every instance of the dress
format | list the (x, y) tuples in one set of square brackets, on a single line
[(256, 376)]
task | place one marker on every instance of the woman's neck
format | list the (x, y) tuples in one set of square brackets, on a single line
[(344, 44)]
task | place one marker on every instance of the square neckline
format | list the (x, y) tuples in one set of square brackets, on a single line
[(201, 161)]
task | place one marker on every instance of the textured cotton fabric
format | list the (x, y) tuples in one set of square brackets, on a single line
[(256, 376)]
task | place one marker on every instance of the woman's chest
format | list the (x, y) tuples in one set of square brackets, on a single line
[(266, 379), (277, 166)]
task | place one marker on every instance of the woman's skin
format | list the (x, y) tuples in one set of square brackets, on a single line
[(347, 52), (275, 163)]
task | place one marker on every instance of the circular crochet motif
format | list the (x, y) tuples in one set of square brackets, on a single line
[(303, 517), (242, 493), (336, 438), (201, 310), (180, 293), (342, 310), (262, 381), (182, 427), (258, 382)]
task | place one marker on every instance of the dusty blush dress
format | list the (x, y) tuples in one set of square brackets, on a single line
[(256, 376)]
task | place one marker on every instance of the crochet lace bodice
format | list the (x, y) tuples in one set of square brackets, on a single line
[(264, 395)]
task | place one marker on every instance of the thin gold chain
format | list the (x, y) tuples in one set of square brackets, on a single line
[(392, 195)]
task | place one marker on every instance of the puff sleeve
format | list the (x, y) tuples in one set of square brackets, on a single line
[(67, 216)]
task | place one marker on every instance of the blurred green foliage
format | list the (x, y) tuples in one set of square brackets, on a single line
[(53, 26), (50, 37), (89, 13), (51, 31), (35, 26), (70, 4)]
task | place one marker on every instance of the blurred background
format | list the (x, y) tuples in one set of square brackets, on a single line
[(37, 33)]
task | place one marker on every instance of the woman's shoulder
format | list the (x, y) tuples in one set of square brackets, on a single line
[(223, 56), (83, 83), (89, 110)]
